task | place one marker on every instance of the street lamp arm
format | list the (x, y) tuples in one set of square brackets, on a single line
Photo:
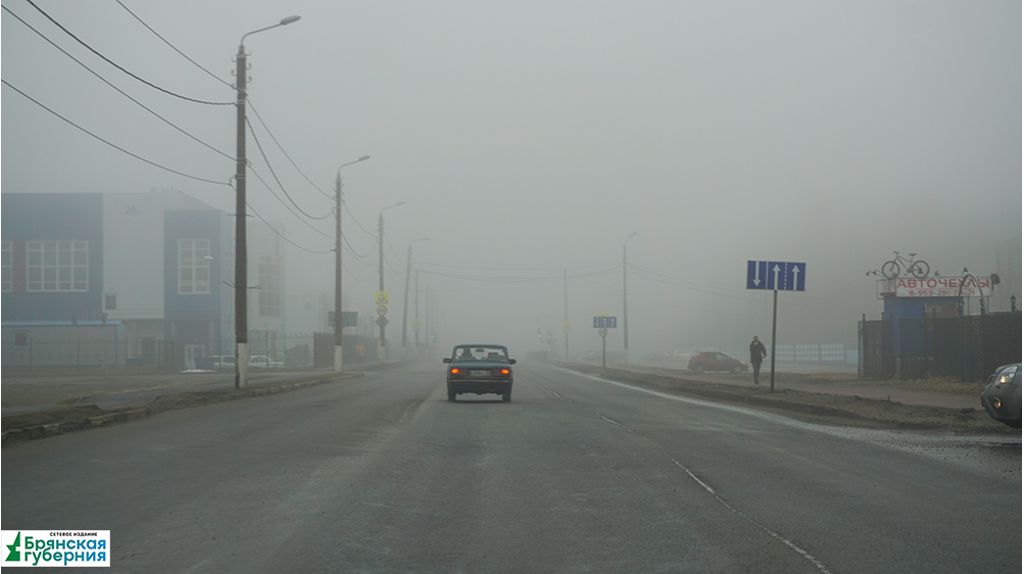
[(364, 158), (284, 22), (390, 206)]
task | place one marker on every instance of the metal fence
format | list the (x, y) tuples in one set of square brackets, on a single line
[(296, 351), (969, 347)]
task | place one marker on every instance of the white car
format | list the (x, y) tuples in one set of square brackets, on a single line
[(264, 362)]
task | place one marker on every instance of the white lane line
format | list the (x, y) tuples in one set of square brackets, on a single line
[(803, 553)]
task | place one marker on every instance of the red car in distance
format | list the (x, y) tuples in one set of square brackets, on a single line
[(715, 361)]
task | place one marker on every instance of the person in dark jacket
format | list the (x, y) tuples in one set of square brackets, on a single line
[(757, 354)]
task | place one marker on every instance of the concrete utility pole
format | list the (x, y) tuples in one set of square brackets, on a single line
[(241, 255), (339, 325), (625, 312), (565, 325), (380, 241), (405, 310)]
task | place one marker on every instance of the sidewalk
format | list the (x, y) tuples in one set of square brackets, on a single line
[(968, 395)]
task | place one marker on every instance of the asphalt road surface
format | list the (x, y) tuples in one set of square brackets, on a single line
[(576, 474)]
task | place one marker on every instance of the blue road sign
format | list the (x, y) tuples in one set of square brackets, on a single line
[(776, 275), (605, 322)]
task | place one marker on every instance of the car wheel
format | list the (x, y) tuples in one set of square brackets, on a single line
[(506, 397), (451, 397), (737, 369), (698, 369)]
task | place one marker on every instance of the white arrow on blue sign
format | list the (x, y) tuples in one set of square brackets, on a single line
[(776, 275)]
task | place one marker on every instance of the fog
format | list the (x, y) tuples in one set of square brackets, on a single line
[(529, 140)]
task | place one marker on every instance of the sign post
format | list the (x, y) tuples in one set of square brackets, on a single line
[(602, 323), (777, 276)]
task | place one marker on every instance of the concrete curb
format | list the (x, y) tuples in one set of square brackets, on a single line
[(723, 394), (53, 429)]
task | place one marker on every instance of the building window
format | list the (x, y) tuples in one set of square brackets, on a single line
[(193, 266), (57, 265), (6, 259), (21, 340), (270, 286)]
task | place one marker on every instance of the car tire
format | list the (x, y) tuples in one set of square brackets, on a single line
[(451, 397), (506, 397), (737, 369), (698, 369)]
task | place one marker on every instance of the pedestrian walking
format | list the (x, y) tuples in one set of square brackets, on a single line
[(757, 354)]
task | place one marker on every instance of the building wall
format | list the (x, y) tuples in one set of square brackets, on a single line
[(133, 232), (133, 243), (50, 217)]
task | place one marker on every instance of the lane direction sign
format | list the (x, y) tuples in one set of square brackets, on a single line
[(776, 275)]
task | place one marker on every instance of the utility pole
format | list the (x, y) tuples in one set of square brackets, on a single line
[(339, 324), (380, 241), (241, 271), (625, 312), (405, 307), (416, 318), (405, 310), (241, 255), (565, 325)]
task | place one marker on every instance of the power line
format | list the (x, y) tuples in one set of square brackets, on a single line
[(278, 233), (301, 220), (278, 180), (172, 45), (122, 92), (138, 157), (271, 134), (112, 63)]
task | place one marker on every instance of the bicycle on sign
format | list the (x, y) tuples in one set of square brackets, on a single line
[(918, 268)]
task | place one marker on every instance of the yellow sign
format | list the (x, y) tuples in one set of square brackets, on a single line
[(381, 298)]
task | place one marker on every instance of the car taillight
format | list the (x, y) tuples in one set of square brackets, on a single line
[(501, 371), (454, 371)]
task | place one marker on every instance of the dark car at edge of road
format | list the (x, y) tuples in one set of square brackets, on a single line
[(715, 361), (480, 369), (1001, 397)]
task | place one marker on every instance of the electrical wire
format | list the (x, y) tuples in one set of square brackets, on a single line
[(280, 147), (112, 63), (119, 90), (303, 221), (172, 46), (138, 157), (353, 251), (277, 179), (278, 233), (359, 225)]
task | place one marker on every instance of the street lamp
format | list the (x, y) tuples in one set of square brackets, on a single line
[(241, 269), (382, 320), (625, 313), (405, 310), (338, 325)]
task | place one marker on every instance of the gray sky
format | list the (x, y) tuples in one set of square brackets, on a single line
[(529, 138)]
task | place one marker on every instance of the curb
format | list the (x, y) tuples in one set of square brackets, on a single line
[(63, 427), (759, 400)]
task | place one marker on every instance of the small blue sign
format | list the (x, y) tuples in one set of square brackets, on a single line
[(776, 275), (605, 322)]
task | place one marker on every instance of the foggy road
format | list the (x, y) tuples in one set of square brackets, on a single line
[(382, 474)]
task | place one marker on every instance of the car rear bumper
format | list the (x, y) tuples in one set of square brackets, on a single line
[(479, 387)]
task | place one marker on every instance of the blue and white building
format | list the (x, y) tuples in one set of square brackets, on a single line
[(129, 279)]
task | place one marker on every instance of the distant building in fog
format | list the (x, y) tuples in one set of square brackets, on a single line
[(130, 279)]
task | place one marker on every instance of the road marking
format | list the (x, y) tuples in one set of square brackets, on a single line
[(803, 553)]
